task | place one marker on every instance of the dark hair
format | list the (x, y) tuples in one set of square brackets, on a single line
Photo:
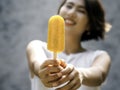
[(96, 16)]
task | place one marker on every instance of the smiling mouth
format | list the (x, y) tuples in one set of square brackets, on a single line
[(69, 22)]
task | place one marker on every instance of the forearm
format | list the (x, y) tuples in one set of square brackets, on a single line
[(35, 56), (97, 73), (34, 66), (92, 76)]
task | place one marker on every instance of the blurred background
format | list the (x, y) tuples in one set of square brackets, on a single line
[(24, 20)]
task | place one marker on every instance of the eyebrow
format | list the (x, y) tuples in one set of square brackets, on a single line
[(79, 6)]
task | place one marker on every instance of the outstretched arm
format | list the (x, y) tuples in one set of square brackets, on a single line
[(34, 55), (97, 73), (47, 70), (93, 76)]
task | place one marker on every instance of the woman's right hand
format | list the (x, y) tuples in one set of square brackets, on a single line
[(49, 71)]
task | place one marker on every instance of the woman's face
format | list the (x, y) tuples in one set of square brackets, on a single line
[(75, 16)]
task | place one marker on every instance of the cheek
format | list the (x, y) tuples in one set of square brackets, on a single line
[(83, 22), (82, 18), (82, 26), (62, 11)]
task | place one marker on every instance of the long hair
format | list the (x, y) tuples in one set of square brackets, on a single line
[(96, 17)]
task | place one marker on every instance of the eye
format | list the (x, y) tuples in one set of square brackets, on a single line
[(69, 6), (81, 11)]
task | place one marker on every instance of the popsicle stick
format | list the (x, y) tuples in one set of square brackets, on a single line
[(54, 55)]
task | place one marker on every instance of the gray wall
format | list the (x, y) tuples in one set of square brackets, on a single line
[(24, 20)]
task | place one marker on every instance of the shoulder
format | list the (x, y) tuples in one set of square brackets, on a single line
[(99, 55), (96, 53), (102, 56), (102, 53), (36, 44)]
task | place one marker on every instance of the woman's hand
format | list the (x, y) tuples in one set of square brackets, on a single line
[(73, 78), (49, 72)]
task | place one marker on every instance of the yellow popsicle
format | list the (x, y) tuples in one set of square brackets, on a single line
[(56, 34)]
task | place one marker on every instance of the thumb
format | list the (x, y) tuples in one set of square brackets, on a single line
[(62, 63)]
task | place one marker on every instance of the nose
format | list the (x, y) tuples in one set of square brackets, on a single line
[(72, 13)]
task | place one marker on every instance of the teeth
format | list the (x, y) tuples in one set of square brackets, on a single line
[(69, 21)]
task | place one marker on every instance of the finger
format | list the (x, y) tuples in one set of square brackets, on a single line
[(54, 73), (69, 68), (42, 73), (48, 71), (54, 69), (71, 76), (67, 75), (72, 85), (61, 80), (76, 86), (54, 77), (50, 81), (49, 62), (62, 63), (47, 84)]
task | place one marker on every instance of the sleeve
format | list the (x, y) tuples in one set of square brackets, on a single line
[(96, 54)]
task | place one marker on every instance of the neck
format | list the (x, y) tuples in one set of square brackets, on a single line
[(73, 45)]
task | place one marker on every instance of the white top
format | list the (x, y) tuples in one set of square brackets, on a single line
[(79, 60)]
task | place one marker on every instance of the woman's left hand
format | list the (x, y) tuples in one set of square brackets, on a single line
[(72, 77)]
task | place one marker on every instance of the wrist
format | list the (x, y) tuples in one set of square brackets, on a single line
[(81, 75)]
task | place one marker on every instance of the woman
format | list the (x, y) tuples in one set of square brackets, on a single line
[(81, 69)]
